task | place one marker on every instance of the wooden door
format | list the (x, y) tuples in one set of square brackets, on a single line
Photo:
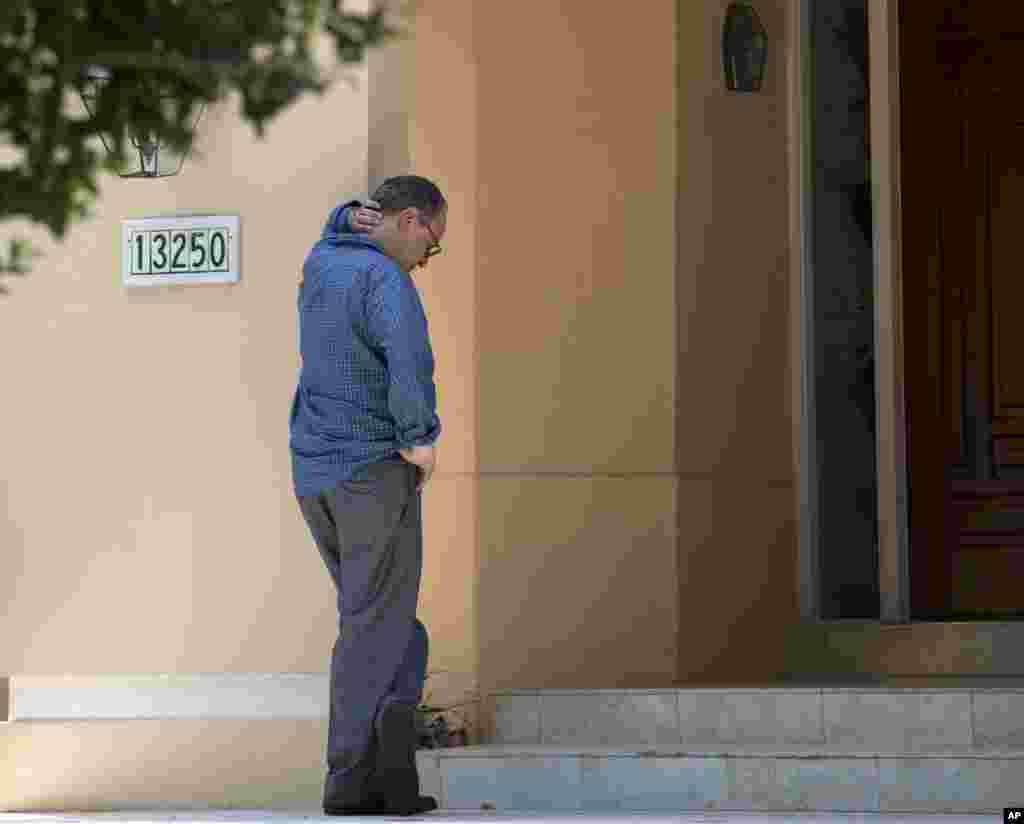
[(963, 222)]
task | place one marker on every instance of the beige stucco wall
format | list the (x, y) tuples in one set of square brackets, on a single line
[(440, 101), (612, 372), (150, 525), (735, 430), (161, 536), (576, 222), (637, 527)]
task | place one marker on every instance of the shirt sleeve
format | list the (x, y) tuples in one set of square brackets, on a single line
[(397, 326), (346, 213)]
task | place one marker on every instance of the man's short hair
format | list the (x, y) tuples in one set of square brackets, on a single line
[(398, 193)]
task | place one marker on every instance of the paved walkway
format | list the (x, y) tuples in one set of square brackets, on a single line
[(259, 817)]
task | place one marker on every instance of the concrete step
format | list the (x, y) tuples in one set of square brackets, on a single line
[(896, 745), (599, 780), (907, 716), (295, 817), (250, 742)]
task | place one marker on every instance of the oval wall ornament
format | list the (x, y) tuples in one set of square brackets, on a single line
[(744, 49)]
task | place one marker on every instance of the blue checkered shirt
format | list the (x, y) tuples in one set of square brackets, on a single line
[(366, 387)]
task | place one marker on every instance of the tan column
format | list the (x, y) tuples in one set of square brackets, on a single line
[(892, 481), (577, 344)]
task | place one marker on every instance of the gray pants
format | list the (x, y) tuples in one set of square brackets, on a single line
[(370, 535)]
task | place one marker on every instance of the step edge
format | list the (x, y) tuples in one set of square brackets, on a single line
[(497, 752)]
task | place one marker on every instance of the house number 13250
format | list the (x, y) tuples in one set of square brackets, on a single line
[(180, 250)]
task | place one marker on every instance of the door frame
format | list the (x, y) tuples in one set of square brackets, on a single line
[(802, 303), (883, 35), (893, 530)]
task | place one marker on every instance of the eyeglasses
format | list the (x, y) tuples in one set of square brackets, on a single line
[(435, 249)]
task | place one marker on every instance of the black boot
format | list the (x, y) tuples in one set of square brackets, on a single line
[(354, 797), (392, 799), (396, 783)]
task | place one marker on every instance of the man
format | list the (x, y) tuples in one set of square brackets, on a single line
[(362, 429)]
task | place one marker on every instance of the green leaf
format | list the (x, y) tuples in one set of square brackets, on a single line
[(164, 60)]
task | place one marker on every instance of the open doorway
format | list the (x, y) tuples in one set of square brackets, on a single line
[(841, 309), (962, 203)]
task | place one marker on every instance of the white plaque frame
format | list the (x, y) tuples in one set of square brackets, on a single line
[(137, 256)]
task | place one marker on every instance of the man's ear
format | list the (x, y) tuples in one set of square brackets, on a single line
[(408, 215)]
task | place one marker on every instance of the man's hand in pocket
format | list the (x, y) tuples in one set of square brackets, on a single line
[(424, 458)]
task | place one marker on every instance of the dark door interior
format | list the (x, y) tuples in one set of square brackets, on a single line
[(962, 124)]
